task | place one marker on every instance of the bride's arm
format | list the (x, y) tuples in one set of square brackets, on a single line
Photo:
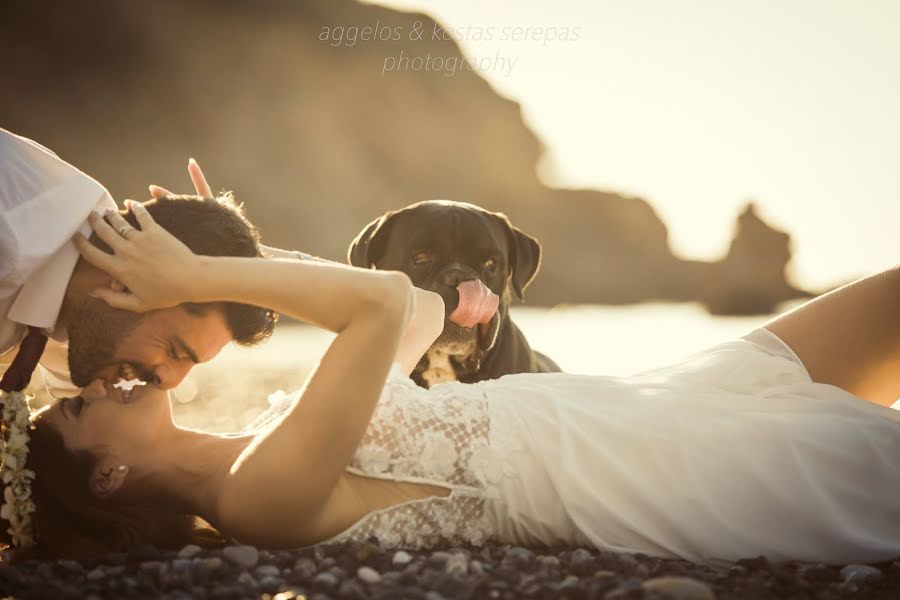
[(424, 327), (369, 311), (320, 433)]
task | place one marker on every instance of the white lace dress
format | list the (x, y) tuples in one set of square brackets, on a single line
[(733, 452)]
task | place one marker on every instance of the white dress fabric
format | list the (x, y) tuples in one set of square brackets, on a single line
[(731, 453)]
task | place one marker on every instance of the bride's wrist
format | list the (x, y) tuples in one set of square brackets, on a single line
[(209, 281), (233, 279)]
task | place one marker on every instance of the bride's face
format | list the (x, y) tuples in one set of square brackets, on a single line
[(100, 420)]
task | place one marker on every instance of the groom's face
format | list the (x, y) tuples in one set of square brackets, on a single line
[(161, 346)]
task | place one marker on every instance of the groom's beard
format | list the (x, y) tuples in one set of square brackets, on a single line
[(95, 332)]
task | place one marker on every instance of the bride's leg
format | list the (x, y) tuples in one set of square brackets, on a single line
[(850, 337)]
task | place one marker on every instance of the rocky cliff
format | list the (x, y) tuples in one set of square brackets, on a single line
[(278, 104)]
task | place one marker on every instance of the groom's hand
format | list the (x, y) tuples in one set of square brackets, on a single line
[(201, 186), (152, 264), (197, 178)]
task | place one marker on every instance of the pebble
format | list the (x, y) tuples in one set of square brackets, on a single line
[(368, 574), (401, 558), (152, 567), (189, 551), (71, 566), (627, 590), (153, 570), (680, 588), (179, 565), (115, 571), (96, 574), (548, 561), (860, 573), (352, 589), (245, 557), (582, 562), (522, 556), (247, 579), (304, 568), (203, 569), (181, 572), (267, 571), (326, 579), (439, 558), (367, 552), (271, 583), (457, 564)]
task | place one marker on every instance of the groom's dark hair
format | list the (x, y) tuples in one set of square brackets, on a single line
[(212, 227)]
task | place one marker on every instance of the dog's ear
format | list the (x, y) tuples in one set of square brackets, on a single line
[(367, 247), (524, 256)]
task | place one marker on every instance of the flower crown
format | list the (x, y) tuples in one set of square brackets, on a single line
[(15, 421)]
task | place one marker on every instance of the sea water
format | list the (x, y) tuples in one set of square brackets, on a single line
[(229, 391)]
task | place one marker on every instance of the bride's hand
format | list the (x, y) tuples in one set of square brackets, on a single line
[(197, 178), (155, 268)]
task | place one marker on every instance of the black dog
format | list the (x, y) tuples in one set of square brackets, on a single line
[(441, 244)]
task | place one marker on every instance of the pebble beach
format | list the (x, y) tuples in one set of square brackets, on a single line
[(366, 570)]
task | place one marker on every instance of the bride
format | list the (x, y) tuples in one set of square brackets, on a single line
[(780, 443)]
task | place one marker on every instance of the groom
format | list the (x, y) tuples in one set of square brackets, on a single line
[(46, 288)]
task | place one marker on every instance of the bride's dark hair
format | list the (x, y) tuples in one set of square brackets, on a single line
[(72, 522)]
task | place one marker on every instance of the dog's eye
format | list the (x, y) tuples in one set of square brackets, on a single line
[(421, 257), (490, 263)]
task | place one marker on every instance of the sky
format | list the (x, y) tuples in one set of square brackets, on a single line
[(700, 106)]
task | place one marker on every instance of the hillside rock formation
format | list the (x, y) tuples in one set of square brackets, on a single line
[(317, 141)]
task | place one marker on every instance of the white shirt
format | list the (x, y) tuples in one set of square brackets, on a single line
[(43, 202)]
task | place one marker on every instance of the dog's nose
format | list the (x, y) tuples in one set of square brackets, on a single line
[(453, 277)]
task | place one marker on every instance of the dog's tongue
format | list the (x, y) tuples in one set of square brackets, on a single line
[(477, 304)]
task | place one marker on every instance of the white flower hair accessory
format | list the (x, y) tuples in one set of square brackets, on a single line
[(17, 503)]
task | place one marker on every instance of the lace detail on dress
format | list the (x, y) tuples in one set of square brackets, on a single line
[(437, 436), (457, 519)]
